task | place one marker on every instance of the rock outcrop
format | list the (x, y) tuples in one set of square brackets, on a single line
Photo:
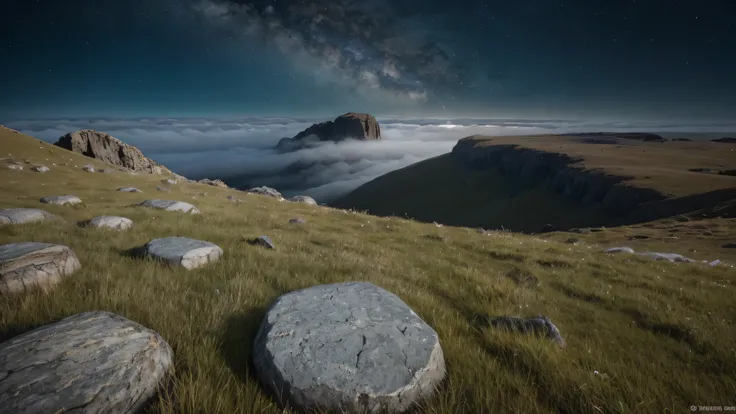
[(214, 183), (266, 191), (62, 200), (353, 125), (92, 362), (28, 265), (347, 347), (108, 149)]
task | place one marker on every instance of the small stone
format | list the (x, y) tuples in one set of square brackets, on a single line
[(15, 167), (169, 181), (92, 362), (27, 265), (88, 168), (540, 325), (347, 347), (303, 199), (23, 215), (263, 241), (614, 250), (159, 188), (62, 200), (181, 251), (170, 205), (40, 168), (129, 190), (111, 222)]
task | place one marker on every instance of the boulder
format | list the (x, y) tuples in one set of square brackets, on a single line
[(215, 183), (540, 325), (16, 167), (266, 191), (170, 205), (169, 181), (108, 149), (614, 250), (23, 215), (181, 251), (129, 190), (303, 199), (353, 125), (725, 140), (62, 200), (92, 362), (347, 347), (263, 241), (670, 257), (40, 168), (110, 222), (26, 265), (88, 168)]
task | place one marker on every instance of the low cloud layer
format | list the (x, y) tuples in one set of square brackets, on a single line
[(240, 151)]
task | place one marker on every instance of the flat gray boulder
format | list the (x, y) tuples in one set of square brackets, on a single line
[(181, 251), (263, 241), (670, 257), (347, 347), (297, 221), (62, 200), (40, 168), (16, 167), (170, 205), (129, 190), (615, 250), (23, 215), (303, 199), (110, 222), (92, 362), (28, 265), (88, 168)]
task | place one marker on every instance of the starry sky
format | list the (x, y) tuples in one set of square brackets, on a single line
[(536, 59)]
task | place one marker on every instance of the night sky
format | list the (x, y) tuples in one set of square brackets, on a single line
[(608, 59)]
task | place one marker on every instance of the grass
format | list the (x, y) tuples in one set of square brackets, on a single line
[(642, 336)]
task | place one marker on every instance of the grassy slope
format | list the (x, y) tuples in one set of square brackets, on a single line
[(642, 336)]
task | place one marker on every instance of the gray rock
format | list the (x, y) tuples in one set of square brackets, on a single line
[(347, 347), (267, 191), (670, 257), (28, 265), (169, 181), (92, 362), (88, 168), (614, 250), (170, 205), (111, 222), (215, 183), (16, 167), (23, 215), (233, 198), (303, 199), (540, 325), (264, 241), (129, 190), (159, 188), (40, 168), (181, 251), (297, 221), (62, 200)]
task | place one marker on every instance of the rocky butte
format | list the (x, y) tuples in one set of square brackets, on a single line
[(353, 125), (109, 149)]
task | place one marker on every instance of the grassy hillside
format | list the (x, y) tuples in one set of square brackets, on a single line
[(642, 336)]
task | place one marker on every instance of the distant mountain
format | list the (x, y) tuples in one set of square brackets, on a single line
[(353, 125)]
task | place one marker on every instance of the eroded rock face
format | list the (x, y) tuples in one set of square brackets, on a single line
[(353, 125), (108, 149), (170, 205), (28, 265), (181, 251), (62, 200), (92, 362), (110, 222), (23, 215), (347, 347)]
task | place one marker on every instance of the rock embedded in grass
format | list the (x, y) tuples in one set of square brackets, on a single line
[(347, 347), (40, 168), (297, 221), (92, 362), (28, 265), (16, 167), (263, 241), (23, 215), (129, 190), (614, 250), (88, 168), (670, 257), (540, 325), (303, 199), (181, 251), (170, 205), (266, 191), (62, 200), (110, 222)]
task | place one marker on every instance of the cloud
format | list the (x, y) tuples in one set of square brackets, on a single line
[(240, 151)]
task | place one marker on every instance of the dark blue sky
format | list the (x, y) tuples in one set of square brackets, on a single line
[(610, 59)]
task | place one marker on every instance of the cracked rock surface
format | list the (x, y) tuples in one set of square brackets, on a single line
[(92, 362), (347, 347), (181, 251), (62, 200), (26, 265), (170, 205), (23, 215), (111, 222)]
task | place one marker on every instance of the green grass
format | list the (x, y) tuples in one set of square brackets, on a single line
[(659, 335)]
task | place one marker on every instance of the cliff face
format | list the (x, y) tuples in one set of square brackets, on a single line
[(108, 149), (351, 125), (557, 171)]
